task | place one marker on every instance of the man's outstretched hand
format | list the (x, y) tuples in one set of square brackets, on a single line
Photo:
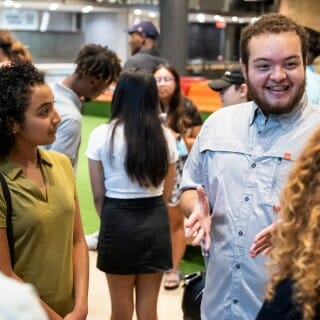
[(198, 223)]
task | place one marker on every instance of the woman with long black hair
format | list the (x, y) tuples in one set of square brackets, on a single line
[(132, 165)]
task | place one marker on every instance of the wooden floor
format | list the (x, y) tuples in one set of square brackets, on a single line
[(169, 305)]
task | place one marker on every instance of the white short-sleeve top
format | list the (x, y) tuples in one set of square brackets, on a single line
[(116, 181)]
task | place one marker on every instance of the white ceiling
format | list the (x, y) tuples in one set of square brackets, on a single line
[(74, 6)]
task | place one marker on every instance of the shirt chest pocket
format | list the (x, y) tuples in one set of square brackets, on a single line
[(224, 159), (260, 175), (271, 176)]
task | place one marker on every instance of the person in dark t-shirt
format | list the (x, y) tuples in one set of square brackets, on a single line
[(143, 40)]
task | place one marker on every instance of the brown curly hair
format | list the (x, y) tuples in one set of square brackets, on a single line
[(296, 249), (271, 23), (21, 52)]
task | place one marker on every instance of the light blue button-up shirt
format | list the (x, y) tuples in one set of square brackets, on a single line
[(242, 159), (313, 84), (68, 136)]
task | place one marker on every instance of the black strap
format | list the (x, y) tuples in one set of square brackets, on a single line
[(7, 198)]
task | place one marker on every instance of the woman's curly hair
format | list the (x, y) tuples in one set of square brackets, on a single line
[(16, 83), (6, 41), (296, 241)]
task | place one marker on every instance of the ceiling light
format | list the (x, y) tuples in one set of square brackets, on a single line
[(254, 19), (87, 9), (192, 17), (53, 6), (44, 21), (8, 3), (201, 17), (137, 12), (219, 18), (152, 14)]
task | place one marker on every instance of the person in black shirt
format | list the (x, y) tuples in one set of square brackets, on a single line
[(145, 56)]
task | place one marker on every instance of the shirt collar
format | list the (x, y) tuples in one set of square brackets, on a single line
[(44, 158), (12, 170), (70, 93), (286, 119)]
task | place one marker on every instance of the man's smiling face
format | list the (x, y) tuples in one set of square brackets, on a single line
[(276, 73)]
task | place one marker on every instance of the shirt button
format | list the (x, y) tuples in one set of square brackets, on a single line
[(246, 199), (240, 233), (253, 165), (259, 131), (238, 265), (235, 301)]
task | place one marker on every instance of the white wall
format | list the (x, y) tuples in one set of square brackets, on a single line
[(107, 29)]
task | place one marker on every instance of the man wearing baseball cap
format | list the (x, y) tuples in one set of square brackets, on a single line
[(143, 39), (231, 87)]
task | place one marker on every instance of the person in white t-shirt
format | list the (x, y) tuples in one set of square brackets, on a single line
[(19, 301), (132, 166)]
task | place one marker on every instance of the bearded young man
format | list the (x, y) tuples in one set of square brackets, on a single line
[(239, 163)]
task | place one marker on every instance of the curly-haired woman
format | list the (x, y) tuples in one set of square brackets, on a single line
[(49, 246), (294, 288)]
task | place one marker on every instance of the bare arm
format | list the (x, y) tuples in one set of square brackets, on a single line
[(195, 205), (5, 267), (80, 270), (169, 182), (97, 184), (188, 200)]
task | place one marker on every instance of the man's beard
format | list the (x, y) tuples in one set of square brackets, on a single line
[(268, 108)]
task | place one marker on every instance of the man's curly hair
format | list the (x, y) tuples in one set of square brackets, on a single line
[(272, 23), (99, 62), (16, 83)]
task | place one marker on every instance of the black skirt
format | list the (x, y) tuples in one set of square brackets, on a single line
[(134, 236)]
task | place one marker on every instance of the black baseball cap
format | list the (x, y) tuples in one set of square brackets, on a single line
[(232, 76), (313, 41), (145, 27)]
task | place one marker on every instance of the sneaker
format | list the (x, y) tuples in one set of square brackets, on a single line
[(92, 240)]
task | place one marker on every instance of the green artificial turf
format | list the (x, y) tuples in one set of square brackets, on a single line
[(97, 108), (90, 219), (192, 261)]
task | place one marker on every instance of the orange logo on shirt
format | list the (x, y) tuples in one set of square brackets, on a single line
[(287, 156)]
